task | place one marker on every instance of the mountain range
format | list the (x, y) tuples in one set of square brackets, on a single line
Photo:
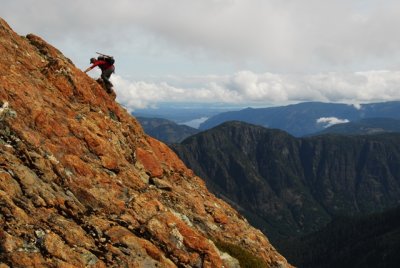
[(306, 118), (290, 187), (81, 184), (171, 132)]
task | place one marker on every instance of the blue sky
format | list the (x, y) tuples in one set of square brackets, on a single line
[(258, 52)]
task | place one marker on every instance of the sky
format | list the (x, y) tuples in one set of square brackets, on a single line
[(257, 53)]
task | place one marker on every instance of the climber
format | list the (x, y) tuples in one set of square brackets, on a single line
[(106, 64)]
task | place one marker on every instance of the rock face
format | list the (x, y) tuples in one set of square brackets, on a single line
[(81, 185)]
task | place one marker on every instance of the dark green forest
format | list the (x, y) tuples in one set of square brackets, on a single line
[(363, 241)]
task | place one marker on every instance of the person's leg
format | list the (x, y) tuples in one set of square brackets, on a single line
[(105, 75)]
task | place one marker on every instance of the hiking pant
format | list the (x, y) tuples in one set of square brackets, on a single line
[(106, 74)]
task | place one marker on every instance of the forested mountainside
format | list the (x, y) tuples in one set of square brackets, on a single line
[(293, 188), (290, 186), (361, 241)]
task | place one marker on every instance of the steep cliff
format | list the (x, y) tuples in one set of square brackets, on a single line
[(82, 185)]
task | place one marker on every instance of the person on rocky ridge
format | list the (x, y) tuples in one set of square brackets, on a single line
[(106, 65)]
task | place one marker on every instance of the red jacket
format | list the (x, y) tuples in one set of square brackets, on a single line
[(103, 65)]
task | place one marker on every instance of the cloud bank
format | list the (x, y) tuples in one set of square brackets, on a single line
[(264, 89)]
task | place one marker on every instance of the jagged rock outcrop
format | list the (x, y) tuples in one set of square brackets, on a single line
[(81, 185)]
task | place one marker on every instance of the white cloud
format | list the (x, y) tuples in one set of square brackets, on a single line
[(262, 89), (330, 121), (141, 94)]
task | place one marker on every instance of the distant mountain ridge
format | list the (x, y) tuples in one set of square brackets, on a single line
[(166, 130), (366, 126), (302, 118)]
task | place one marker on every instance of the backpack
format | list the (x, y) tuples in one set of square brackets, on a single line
[(109, 59)]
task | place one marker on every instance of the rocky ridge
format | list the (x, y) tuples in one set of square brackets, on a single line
[(81, 185)]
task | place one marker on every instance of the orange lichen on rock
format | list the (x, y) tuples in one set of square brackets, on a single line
[(81, 185)]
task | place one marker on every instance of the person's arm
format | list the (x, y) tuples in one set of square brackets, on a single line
[(96, 63), (90, 68)]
